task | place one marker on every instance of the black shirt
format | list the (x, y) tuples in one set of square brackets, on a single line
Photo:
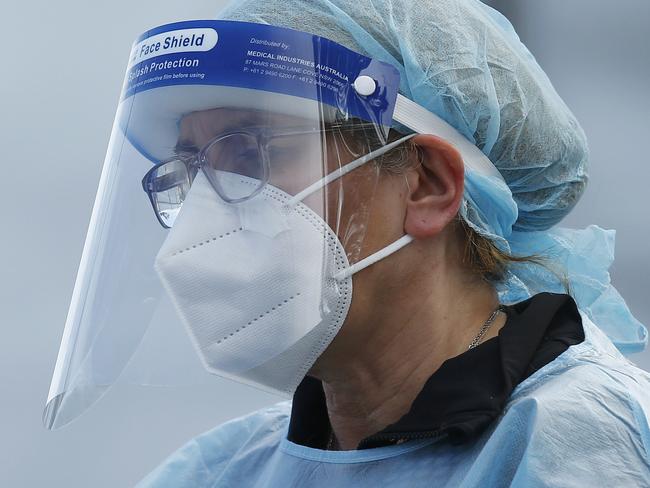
[(474, 386)]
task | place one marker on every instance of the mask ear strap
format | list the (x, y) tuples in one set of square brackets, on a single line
[(345, 170), (373, 258)]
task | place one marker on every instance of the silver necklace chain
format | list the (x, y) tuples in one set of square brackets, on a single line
[(485, 327), (332, 438)]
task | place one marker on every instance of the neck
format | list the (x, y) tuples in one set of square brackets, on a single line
[(389, 347)]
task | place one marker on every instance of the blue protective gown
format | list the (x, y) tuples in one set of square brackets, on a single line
[(579, 421)]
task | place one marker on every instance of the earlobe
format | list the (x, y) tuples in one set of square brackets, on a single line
[(435, 187)]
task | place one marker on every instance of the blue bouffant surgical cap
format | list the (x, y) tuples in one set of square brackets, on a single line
[(463, 61)]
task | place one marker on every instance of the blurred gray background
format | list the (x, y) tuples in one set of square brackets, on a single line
[(62, 69)]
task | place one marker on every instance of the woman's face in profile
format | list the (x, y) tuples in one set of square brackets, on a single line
[(365, 208)]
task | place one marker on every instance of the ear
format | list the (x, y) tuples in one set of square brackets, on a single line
[(435, 188)]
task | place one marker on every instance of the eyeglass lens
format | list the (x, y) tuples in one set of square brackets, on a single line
[(169, 185), (234, 154)]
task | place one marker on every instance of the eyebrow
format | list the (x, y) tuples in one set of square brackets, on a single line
[(185, 146)]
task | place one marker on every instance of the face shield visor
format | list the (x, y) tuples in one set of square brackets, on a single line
[(231, 211)]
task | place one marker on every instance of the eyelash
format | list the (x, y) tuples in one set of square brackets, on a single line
[(185, 153)]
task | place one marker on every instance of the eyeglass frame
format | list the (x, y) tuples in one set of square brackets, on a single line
[(194, 162)]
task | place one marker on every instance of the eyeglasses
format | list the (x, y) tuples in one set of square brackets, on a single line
[(250, 152)]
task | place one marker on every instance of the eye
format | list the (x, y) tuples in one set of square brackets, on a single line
[(247, 154), (186, 155)]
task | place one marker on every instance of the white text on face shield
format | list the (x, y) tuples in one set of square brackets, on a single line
[(171, 42)]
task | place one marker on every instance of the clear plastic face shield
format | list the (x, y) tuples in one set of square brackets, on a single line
[(231, 211)]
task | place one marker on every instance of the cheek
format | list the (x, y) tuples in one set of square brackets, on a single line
[(386, 214), (366, 211), (296, 171)]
